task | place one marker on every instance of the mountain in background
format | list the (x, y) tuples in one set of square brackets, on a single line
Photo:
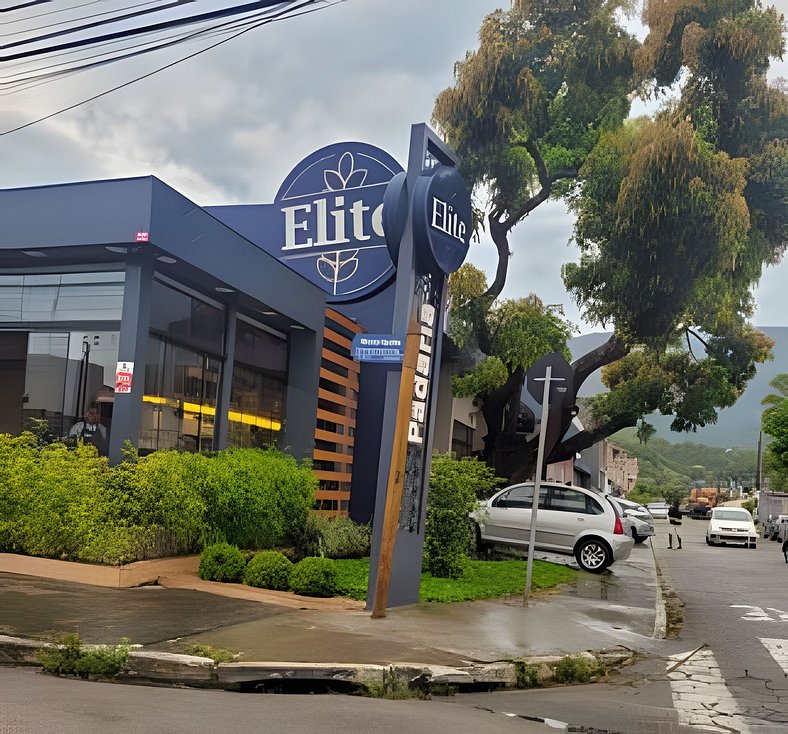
[(663, 462), (737, 425)]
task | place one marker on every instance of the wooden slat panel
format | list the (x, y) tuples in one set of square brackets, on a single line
[(337, 359), (332, 397), (350, 381), (344, 321), (332, 336), (323, 455), (333, 476), (327, 415), (334, 437)]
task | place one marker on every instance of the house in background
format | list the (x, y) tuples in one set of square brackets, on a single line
[(611, 468)]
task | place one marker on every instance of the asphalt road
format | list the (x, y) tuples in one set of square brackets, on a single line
[(737, 604), (33, 703)]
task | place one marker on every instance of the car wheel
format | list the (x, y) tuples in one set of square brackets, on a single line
[(752, 545), (708, 542), (593, 555), (636, 537)]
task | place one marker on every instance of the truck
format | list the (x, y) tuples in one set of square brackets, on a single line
[(772, 506)]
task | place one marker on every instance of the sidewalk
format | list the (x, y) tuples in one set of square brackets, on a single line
[(615, 609)]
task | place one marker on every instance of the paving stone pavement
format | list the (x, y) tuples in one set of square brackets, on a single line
[(705, 700)]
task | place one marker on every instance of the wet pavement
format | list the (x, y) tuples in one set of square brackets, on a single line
[(616, 608)]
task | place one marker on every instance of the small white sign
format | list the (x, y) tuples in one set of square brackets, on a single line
[(123, 377)]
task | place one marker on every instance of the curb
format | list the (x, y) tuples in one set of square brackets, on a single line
[(190, 671)]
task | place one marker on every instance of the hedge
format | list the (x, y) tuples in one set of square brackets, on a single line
[(67, 502)]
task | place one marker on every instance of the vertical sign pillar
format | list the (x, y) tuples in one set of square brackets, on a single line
[(427, 220)]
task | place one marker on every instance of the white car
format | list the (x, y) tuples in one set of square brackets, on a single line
[(570, 520), (731, 526), (658, 510), (635, 524)]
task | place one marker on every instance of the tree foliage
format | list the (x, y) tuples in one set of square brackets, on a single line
[(775, 425), (676, 215)]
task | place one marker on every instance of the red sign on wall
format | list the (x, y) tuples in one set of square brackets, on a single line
[(123, 377)]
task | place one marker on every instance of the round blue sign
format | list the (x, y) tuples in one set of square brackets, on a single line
[(331, 208), (442, 218)]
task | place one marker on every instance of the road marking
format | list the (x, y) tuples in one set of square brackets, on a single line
[(778, 649), (758, 614), (700, 696)]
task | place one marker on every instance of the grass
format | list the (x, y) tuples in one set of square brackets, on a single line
[(482, 580)]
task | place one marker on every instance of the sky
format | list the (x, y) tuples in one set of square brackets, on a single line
[(227, 126)]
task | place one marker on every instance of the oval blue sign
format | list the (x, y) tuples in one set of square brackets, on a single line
[(442, 218), (331, 207)]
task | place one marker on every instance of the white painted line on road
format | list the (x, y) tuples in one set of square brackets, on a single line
[(778, 649), (759, 614), (700, 696)]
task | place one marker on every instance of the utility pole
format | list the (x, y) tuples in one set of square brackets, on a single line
[(547, 379)]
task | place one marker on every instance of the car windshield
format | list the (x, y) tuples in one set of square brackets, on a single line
[(740, 515)]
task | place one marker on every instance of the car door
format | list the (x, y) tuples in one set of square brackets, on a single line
[(568, 512), (509, 515)]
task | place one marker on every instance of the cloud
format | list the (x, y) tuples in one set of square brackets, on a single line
[(228, 126)]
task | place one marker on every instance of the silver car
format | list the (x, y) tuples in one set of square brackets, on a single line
[(636, 523), (570, 520)]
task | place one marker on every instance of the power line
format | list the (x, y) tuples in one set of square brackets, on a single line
[(294, 9)]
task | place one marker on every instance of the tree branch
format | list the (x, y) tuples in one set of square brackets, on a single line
[(611, 351), (587, 438), (545, 180)]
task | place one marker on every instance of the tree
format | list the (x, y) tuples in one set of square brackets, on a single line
[(516, 332), (676, 215), (775, 424)]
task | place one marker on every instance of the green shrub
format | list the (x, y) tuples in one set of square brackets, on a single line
[(257, 498), (576, 669), (455, 487), (221, 562), (70, 658), (268, 570), (314, 577), (308, 541), (343, 538), (163, 490)]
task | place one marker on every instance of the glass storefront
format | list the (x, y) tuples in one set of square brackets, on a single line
[(182, 371), (257, 397), (56, 374), (179, 404), (87, 297)]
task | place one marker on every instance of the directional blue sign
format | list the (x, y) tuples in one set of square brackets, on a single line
[(378, 348)]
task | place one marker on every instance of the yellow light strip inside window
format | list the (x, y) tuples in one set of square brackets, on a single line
[(233, 415)]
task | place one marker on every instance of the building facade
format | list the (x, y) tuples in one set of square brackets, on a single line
[(127, 297)]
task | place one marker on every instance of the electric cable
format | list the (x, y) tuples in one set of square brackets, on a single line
[(299, 9)]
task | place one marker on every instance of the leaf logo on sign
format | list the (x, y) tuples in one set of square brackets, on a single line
[(347, 176), (336, 267)]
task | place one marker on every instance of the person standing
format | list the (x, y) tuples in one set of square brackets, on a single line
[(90, 430)]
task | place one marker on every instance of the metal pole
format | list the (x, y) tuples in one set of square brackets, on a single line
[(537, 482)]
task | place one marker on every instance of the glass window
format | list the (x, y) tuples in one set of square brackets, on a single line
[(61, 297), (179, 404), (180, 317), (522, 496), (57, 377), (564, 499), (259, 386)]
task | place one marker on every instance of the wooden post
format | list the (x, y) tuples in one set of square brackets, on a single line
[(396, 470)]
